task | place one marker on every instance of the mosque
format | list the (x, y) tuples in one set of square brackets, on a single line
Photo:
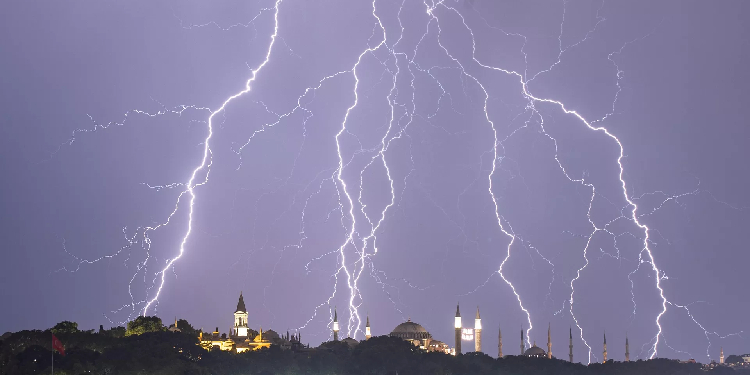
[(241, 338)]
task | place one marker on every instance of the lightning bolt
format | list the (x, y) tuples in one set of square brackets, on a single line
[(360, 227)]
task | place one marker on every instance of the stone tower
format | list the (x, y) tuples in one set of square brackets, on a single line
[(721, 356), (627, 349), (499, 343), (477, 332), (240, 318), (335, 325), (571, 345), (367, 328), (457, 325), (549, 341), (604, 353)]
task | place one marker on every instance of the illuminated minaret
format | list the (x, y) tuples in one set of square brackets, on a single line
[(605, 348), (571, 345), (549, 341), (457, 325), (367, 328), (335, 325), (522, 345), (477, 332), (627, 349), (721, 356), (240, 318), (499, 343)]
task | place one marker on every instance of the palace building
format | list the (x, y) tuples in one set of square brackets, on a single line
[(241, 338)]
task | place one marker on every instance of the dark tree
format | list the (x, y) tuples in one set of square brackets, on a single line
[(734, 359), (65, 327), (186, 328), (143, 324)]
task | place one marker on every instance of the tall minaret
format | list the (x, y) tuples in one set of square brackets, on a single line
[(571, 345), (477, 332), (499, 343), (522, 345), (457, 325), (367, 328), (240, 318), (627, 349), (721, 356), (549, 341), (605, 348), (335, 325)]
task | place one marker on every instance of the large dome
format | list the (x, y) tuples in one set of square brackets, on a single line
[(410, 331), (535, 351)]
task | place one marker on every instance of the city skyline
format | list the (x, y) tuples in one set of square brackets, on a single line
[(574, 164)]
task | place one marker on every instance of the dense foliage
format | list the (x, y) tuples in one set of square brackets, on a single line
[(156, 351), (143, 324)]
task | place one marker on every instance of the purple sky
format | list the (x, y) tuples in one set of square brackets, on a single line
[(104, 102)]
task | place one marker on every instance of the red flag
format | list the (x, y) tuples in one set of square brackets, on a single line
[(57, 345)]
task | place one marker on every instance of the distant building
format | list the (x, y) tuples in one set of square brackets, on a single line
[(535, 352), (238, 339)]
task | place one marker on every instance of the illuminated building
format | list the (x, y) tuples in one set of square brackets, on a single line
[(457, 325), (335, 324), (412, 332), (604, 353), (238, 339), (535, 352), (367, 328), (477, 332), (418, 336)]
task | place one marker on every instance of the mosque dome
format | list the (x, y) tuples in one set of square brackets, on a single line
[(410, 331), (535, 351)]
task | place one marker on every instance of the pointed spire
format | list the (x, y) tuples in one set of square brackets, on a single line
[(499, 343), (335, 314), (549, 340), (549, 328), (458, 314), (478, 313), (605, 338), (571, 344), (627, 348), (368, 320), (241, 305)]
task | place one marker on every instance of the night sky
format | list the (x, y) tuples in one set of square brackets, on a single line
[(385, 160)]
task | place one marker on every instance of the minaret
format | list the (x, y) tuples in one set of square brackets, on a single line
[(499, 343), (627, 349), (522, 345), (721, 356), (477, 332), (367, 328), (240, 318), (335, 325), (457, 325), (549, 341), (604, 353), (571, 345)]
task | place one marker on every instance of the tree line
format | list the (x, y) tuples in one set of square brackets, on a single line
[(145, 346)]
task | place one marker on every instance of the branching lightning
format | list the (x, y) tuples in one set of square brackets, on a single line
[(359, 245)]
